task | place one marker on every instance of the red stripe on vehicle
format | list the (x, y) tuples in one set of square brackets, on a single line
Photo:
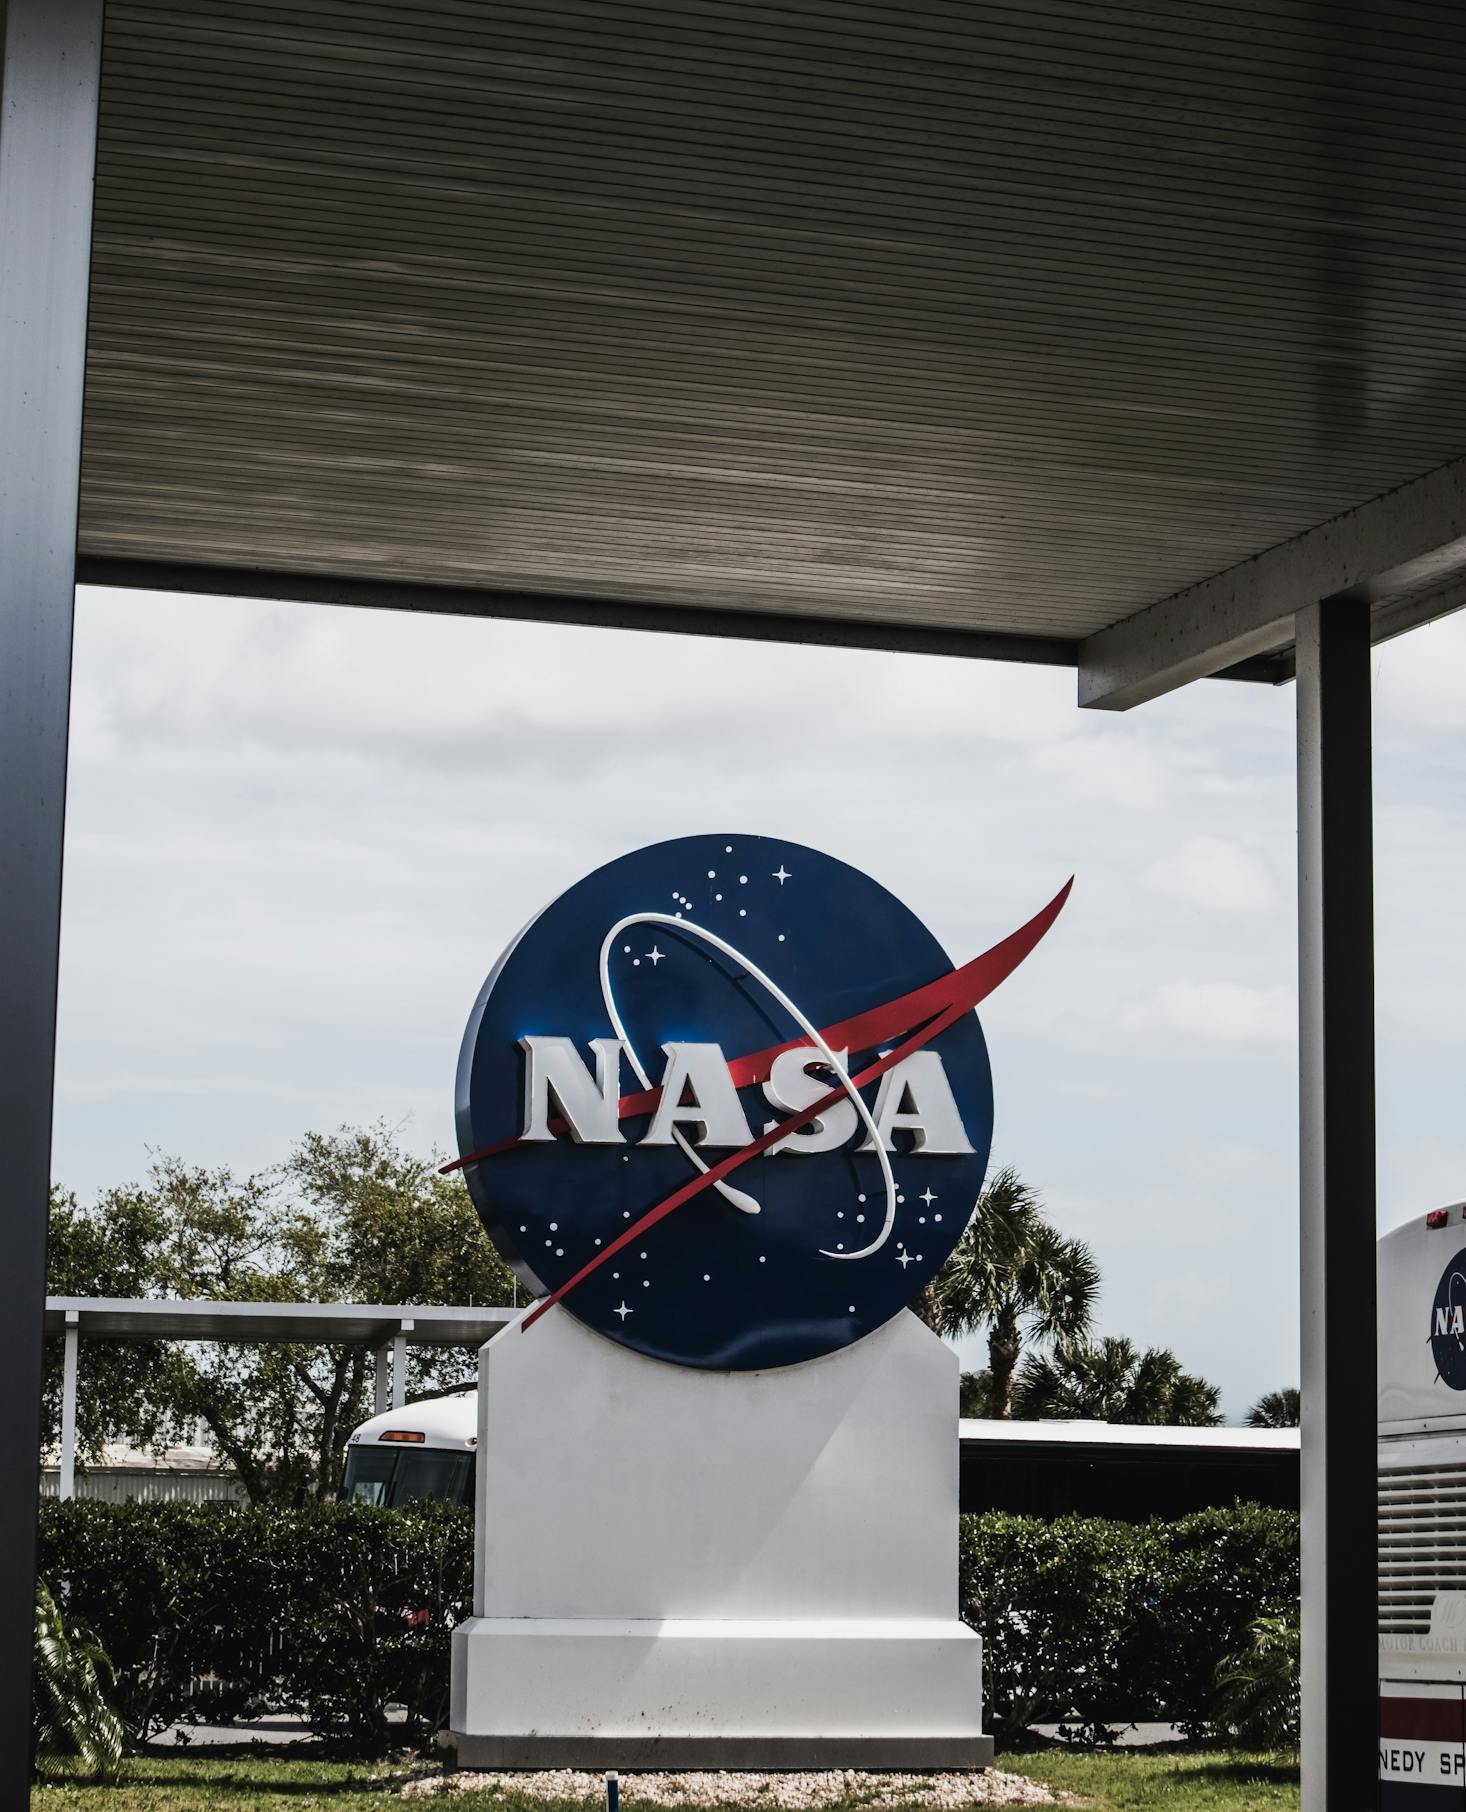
[(1427, 1720)]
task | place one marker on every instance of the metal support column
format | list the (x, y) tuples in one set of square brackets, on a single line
[(381, 1377), (399, 1365), (66, 1482), (48, 129), (1337, 1207)]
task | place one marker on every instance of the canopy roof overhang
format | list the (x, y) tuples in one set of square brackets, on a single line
[(1011, 330), (309, 1323)]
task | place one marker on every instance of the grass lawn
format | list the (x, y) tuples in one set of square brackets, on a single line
[(1175, 1781), (1172, 1779)]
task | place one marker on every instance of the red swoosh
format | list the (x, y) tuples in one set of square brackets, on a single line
[(949, 997), (862, 1032)]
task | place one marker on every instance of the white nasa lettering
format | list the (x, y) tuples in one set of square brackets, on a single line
[(791, 1085), (916, 1097), (1450, 1321), (588, 1105), (697, 1090)]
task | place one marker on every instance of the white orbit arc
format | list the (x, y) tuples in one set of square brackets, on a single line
[(811, 1032)]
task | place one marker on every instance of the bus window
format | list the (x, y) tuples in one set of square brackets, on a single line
[(368, 1475), (395, 1476), (425, 1475)]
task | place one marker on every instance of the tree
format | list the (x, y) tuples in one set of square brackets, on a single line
[(106, 1250), (1016, 1275), (974, 1393), (348, 1217), (1275, 1409), (1112, 1381)]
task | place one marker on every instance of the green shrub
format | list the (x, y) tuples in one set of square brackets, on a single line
[(339, 1610), (1098, 1622), (1209, 1576), (333, 1612), (1052, 1602)]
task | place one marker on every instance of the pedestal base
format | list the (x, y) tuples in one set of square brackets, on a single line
[(737, 1570), (704, 1693)]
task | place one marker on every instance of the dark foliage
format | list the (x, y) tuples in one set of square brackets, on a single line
[(1276, 1409), (332, 1611), (75, 1733), (349, 1217), (1103, 1622), (1111, 1380), (337, 1611)]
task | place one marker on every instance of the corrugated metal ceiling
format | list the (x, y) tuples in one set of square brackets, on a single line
[(999, 317)]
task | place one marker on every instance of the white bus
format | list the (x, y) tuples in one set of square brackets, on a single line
[(1028, 1468), (415, 1455), (1422, 1513)]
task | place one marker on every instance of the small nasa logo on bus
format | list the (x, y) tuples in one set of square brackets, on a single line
[(1448, 1324), (728, 1100)]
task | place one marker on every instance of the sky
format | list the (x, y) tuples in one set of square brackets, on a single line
[(299, 836)]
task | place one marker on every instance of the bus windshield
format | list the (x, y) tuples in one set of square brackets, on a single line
[(393, 1476)]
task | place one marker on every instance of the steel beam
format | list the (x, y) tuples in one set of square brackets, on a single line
[(399, 1365), (48, 131), (66, 1474), (1402, 542), (612, 612), (1337, 1207)]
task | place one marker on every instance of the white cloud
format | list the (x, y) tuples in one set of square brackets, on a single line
[(1417, 1175), (298, 837), (1124, 774), (1420, 680), (1218, 1013), (1214, 872), (1191, 1294)]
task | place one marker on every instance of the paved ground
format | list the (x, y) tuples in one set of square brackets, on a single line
[(1128, 1736), (205, 1736)]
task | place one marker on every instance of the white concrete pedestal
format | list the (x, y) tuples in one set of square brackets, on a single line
[(687, 1569)]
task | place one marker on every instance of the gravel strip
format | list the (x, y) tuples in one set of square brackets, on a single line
[(789, 1792)]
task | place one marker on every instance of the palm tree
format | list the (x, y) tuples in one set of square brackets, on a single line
[(1114, 1382), (1259, 1695), (74, 1731), (1275, 1409), (1015, 1275)]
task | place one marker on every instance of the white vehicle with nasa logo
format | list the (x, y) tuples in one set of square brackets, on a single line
[(1422, 1513)]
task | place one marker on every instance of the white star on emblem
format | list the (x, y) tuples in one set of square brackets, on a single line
[(623, 1312), (654, 956), (781, 874), (927, 1196), (904, 1259)]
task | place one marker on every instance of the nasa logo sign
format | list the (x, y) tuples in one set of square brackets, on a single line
[(728, 1100), (1448, 1324)]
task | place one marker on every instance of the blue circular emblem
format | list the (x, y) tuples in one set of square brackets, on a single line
[(723, 1101), (1448, 1324)]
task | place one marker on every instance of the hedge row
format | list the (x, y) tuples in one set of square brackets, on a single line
[(337, 1612), (1101, 1622), (219, 1612)]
